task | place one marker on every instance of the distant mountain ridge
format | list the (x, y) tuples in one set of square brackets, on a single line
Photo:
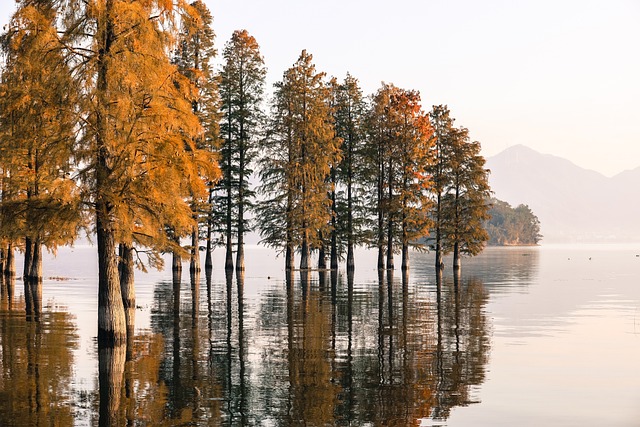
[(573, 204)]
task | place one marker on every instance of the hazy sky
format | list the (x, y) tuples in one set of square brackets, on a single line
[(558, 76)]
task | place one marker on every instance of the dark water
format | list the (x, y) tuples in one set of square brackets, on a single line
[(529, 336)]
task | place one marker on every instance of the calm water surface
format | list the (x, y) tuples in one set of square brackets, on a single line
[(526, 336)]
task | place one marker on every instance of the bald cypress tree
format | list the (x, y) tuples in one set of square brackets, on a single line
[(194, 53), (141, 163), (348, 190), (40, 203), (241, 92), (465, 204), (300, 148)]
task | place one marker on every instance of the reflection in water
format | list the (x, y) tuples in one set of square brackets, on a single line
[(36, 367), (316, 349)]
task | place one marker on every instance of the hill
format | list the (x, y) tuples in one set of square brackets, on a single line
[(573, 204)]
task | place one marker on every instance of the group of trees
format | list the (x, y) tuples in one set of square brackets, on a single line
[(112, 120), (512, 226), (339, 169)]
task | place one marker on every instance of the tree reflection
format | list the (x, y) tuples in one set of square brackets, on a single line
[(36, 366), (328, 351)]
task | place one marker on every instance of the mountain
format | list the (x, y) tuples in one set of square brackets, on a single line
[(573, 204)]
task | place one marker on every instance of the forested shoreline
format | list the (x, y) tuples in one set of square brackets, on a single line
[(509, 226), (114, 122)]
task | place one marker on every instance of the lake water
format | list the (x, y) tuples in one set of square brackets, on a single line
[(527, 336)]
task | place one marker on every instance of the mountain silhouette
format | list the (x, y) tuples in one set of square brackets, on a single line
[(573, 204)]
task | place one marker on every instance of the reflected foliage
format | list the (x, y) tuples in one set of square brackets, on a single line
[(36, 366), (316, 349)]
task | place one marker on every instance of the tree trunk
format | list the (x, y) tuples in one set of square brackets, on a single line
[(405, 256), (240, 255), (36, 261), (334, 223), (208, 258), (112, 329), (176, 263), (456, 257), (194, 264), (28, 258), (390, 265), (304, 256), (241, 167), (322, 255), (33, 281), (10, 263), (289, 257), (127, 287)]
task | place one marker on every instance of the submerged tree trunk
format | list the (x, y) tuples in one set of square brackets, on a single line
[(112, 329), (194, 264), (33, 283), (28, 257), (457, 264), (176, 263), (10, 262), (304, 252), (322, 255), (208, 258), (390, 265), (127, 286), (334, 225), (405, 256)]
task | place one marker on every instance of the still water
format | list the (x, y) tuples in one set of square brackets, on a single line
[(525, 337)]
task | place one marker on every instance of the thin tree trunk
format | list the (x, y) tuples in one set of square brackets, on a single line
[(334, 224), (322, 255), (457, 264), (28, 257), (405, 243), (194, 264), (208, 259), (10, 263), (33, 280), (127, 287), (241, 171), (350, 243), (304, 255)]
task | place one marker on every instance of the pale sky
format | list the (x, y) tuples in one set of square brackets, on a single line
[(558, 76)]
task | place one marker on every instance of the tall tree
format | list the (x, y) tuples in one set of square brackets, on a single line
[(241, 91), (414, 139), (442, 126), (461, 190), (37, 125), (398, 157), (300, 148), (347, 196), (140, 157), (193, 57)]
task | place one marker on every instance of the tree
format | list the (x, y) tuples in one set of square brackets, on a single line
[(512, 226), (40, 203), (399, 142), (194, 52), (141, 162), (241, 90), (347, 192), (464, 205), (299, 151), (442, 126)]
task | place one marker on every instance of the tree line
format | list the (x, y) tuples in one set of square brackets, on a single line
[(508, 226), (114, 122)]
